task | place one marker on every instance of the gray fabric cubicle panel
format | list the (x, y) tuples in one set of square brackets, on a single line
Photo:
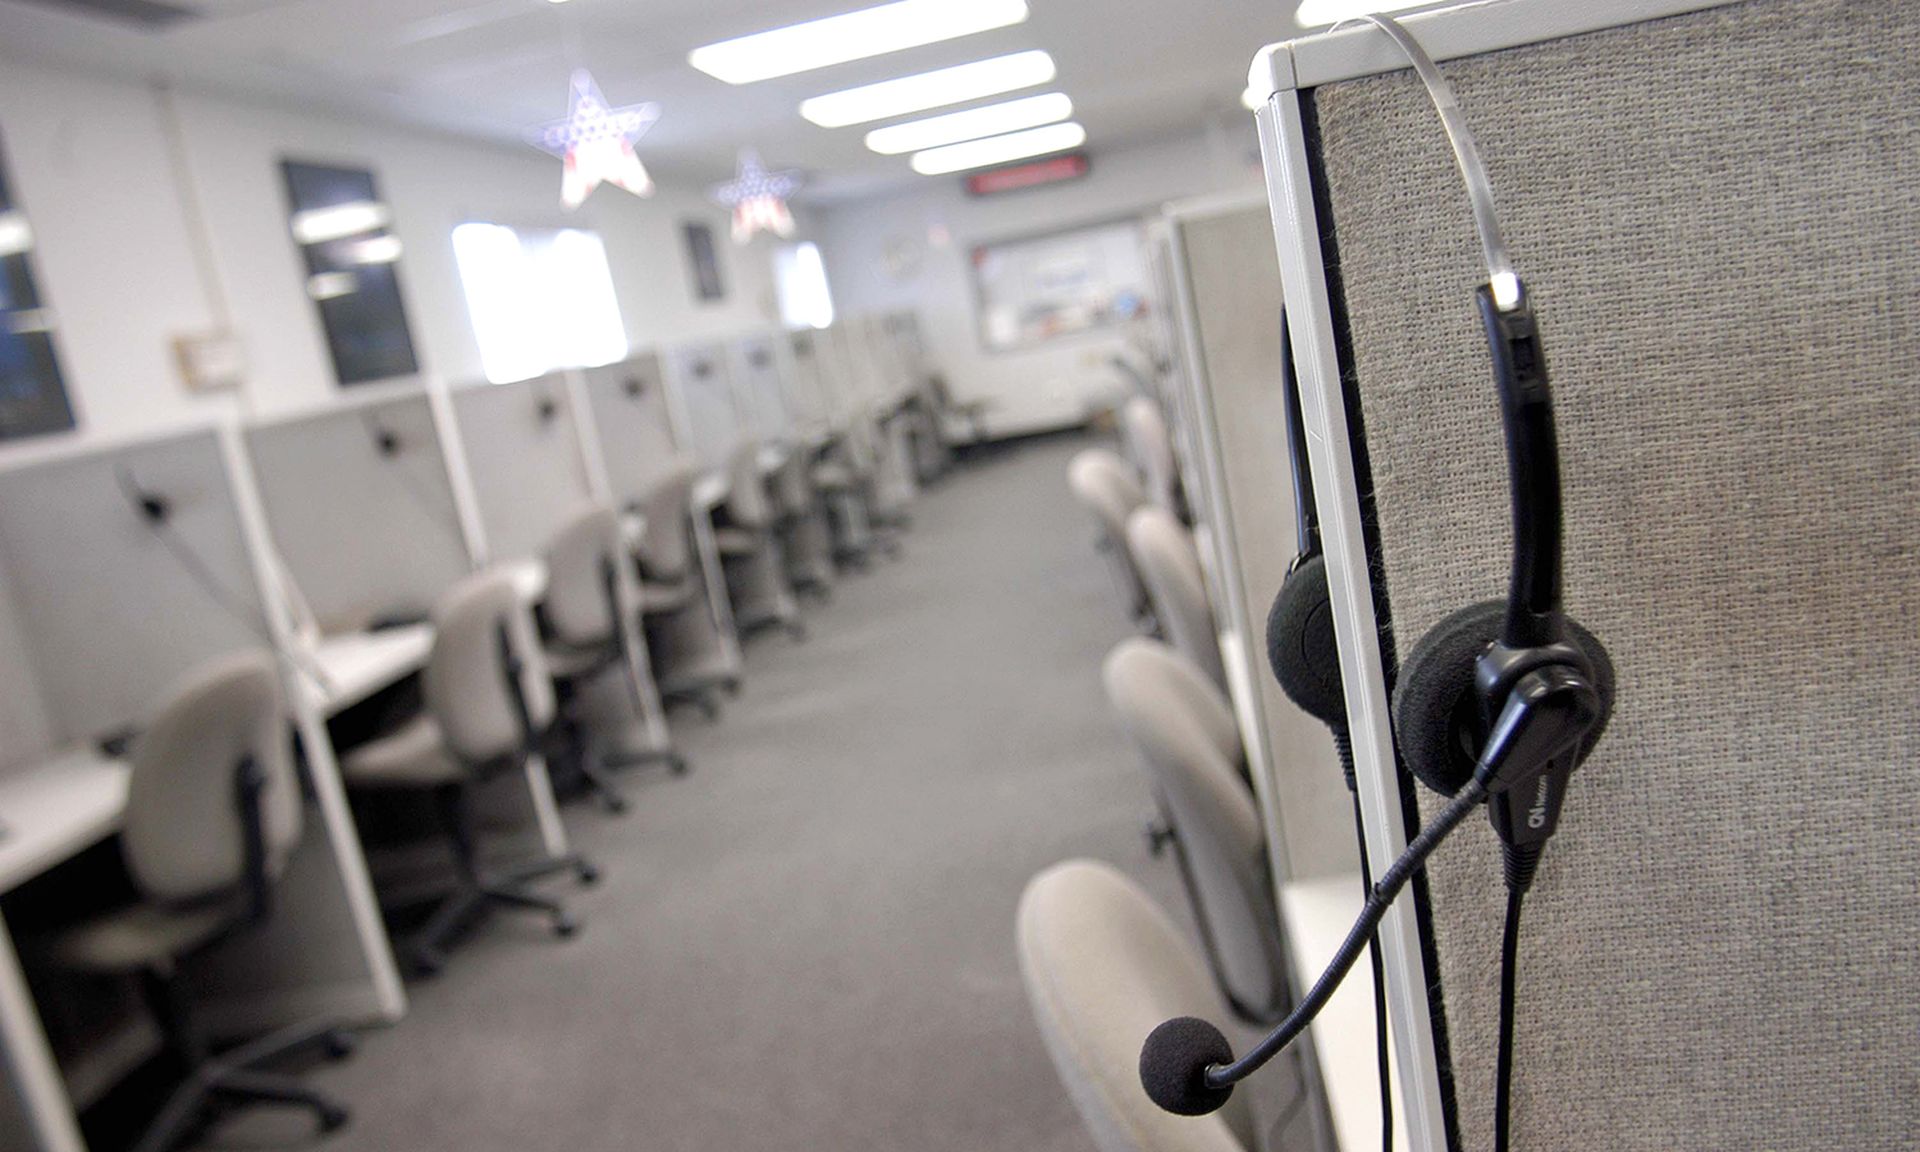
[(110, 614), (632, 415), (1716, 214), (758, 388), (700, 373), (1235, 284), (528, 476), (363, 534)]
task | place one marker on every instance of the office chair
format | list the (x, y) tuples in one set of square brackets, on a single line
[(841, 486), (1163, 553), (214, 812), (489, 705), (1106, 486), (1144, 430), (1103, 967), (1185, 731), (682, 634), (806, 536), (592, 603), (750, 550)]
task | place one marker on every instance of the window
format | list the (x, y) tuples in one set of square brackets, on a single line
[(33, 397), (340, 224), (800, 278), (539, 300)]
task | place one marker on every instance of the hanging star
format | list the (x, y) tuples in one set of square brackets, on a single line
[(596, 143), (758, 198)]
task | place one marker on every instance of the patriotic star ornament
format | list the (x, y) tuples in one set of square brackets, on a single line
[(595, 143), (758, 198)]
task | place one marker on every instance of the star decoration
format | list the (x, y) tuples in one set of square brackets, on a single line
[(596, 143), (758, 198)]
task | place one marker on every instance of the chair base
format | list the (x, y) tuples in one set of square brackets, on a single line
[(473, 899), (234, 1079), (674, 762)]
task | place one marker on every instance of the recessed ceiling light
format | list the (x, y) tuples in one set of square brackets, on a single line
[(936, 89), (999, 149), (952, 128), (851, 36), (1314, 13)]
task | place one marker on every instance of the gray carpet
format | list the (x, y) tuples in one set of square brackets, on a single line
[(808, 943)]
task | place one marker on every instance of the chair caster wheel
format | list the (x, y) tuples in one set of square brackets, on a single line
[(732, 687), (334, 1119), (337, 1045), (679, 766), (1158, 835), (427, 965), (565, 926), (587, 874), (711, 710), (798, 633), (615, 805)]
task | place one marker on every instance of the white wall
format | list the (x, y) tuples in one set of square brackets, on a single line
[(91, 166), (1030, 389)]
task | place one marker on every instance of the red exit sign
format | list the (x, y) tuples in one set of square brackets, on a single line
[(1033, 174)]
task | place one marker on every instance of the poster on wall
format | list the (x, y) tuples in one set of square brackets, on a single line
[(33, 394), (352, 259), (703, 259), (1063, 284)]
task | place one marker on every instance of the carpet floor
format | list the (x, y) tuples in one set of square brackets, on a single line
[(807, 944)]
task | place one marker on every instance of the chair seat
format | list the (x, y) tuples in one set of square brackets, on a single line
[(142, 936), (660, 599), (413, 756), (568, 662), (736, 541)]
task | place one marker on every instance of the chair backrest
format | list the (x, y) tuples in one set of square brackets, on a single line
[(1105, 484), (793, 484), (581, 607), (665, 549), (1103, 966), (467, 680), (747, 503), (1151, 446), (1169, 565), (184, 836), (1185, 732)]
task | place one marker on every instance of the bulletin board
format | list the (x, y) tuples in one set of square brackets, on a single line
[(1037, 289)]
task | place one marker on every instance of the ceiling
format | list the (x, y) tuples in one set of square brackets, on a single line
[(1136, 69)]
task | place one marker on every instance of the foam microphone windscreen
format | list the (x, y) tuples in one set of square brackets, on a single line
[(1301, 648), (1173, 1066)]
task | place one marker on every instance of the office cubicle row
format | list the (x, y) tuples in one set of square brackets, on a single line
[(1196, 508), (327, 537)]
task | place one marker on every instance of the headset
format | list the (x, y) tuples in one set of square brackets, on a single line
[(1498, 704)]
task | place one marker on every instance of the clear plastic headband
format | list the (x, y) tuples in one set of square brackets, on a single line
[(1466, 153)]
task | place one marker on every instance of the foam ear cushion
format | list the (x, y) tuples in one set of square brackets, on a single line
[(1436, 714), (1300, 644)]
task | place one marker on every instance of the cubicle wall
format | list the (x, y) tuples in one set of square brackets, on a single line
[(362, 511), (1227, 292), (804, 371), (1714, 215), (700, 375), (110, 612), (524, 452), (759, 393), (634, 415)]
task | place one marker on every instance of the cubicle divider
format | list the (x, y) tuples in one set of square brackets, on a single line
[(641, 425), (701, 378), (803, 373), (1718, 948), (759, 392), (123, 569)]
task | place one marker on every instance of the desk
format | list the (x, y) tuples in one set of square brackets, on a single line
[(1316, 915), (53, 811), (359, 664)]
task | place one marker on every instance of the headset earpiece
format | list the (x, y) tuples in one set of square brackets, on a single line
[(1437, 718), (1301, 646)]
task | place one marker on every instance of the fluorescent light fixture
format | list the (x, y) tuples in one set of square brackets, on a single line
[(337, 222), (936, 89), (16, 236), (999, 149), (1314, 13), (952, 128), (851, 36)]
